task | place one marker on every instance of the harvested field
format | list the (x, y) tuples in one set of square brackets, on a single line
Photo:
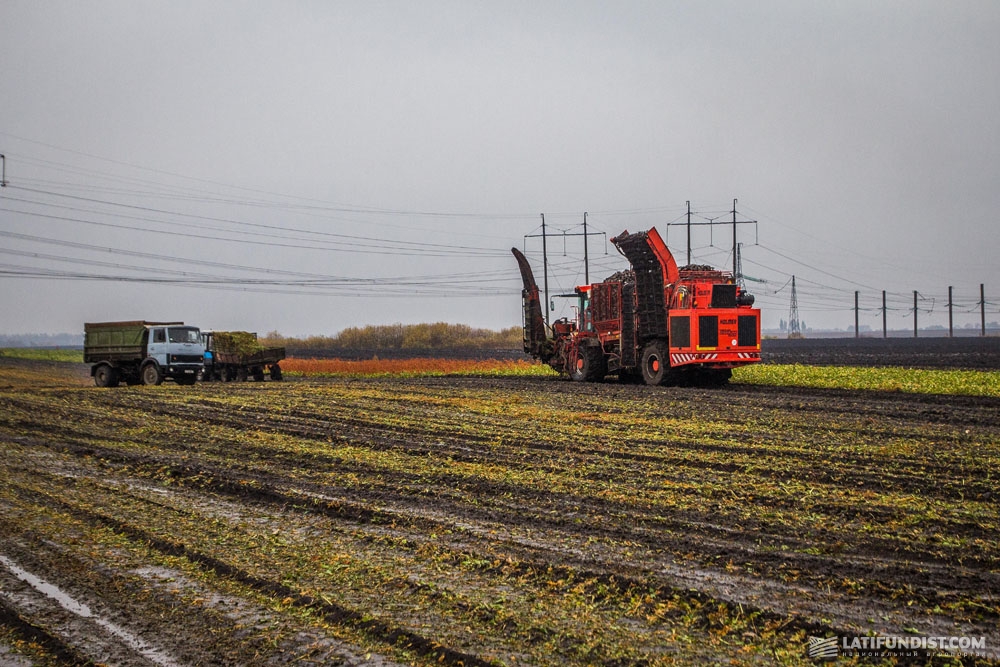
[(486, 521), (974, 352)]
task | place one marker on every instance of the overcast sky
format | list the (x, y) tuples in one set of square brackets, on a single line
[(310, 166)]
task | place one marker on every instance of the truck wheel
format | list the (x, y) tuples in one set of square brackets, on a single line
[(655, 362), (105, 376), (151, 374), (275, 372), (590, 365)]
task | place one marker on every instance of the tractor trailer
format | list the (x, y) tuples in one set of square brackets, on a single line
[(141, 352), (237, 355), (655, 322)]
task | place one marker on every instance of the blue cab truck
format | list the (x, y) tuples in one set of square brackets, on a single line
[(141, 352)]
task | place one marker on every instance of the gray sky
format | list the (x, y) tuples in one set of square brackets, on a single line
[(309, 166)]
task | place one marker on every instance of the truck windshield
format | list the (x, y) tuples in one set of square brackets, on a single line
[(184, 335)]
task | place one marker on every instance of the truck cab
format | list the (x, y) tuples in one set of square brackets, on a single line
[(178, 351)]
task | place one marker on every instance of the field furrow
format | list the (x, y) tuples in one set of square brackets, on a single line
[(500, 521)]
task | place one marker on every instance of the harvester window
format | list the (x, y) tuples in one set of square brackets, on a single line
[(680, 331), (723, 296), (680, 298), (708, 331)]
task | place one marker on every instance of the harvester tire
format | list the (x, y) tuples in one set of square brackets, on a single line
[(591, 365), (275, 372), (655, 362)]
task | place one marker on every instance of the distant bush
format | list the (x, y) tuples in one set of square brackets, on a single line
[(436, 336)]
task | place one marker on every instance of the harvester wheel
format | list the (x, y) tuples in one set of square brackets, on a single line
[(655, 362), (590, 365), (275, 372), (258, 374)]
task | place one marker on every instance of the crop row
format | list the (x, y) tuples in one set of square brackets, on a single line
[(518, 520)]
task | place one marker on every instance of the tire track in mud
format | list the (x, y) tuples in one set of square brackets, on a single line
[(831, 468), (549, 507), (379, 630), (883, 578), (51, 645), (602, 585), (488, 488), (508, 504), (37, 592), (399, 497), (324, 426)]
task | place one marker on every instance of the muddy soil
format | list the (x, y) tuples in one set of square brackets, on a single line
[(486, 521)]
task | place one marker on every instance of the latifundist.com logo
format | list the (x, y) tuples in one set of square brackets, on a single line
[(823, 648), (828, 648)]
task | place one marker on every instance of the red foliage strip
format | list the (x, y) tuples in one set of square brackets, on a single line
[(407, 366)]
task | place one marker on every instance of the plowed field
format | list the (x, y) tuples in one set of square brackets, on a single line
[(486, 521)]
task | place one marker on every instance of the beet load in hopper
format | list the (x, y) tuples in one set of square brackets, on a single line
[(655, 322)]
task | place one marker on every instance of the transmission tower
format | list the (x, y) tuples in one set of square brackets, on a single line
[(794, 331)]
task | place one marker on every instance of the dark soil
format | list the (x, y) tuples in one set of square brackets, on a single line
[(430, 521)]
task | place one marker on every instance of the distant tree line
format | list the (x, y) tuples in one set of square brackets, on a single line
[(436, 336), (41, 340)]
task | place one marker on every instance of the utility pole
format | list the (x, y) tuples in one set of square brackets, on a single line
[(951, 322), (545, 255), (545, 270), (712, 222), (689, 233), (982, 308), (735, 268), (3, 174), (857, 330), (885, 333), (914, 313)]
